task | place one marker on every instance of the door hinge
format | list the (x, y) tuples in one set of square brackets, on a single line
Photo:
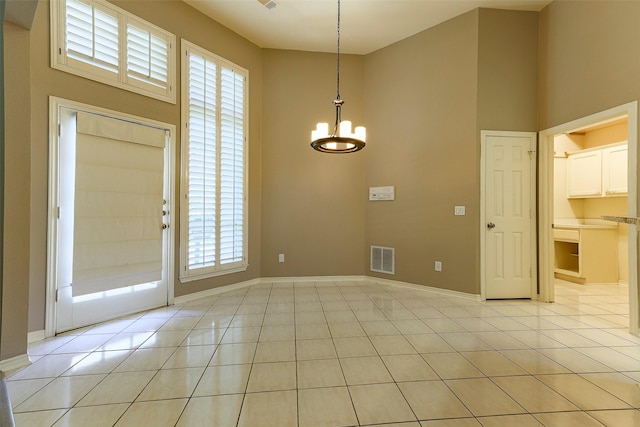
[(58, 212), (57, 292)]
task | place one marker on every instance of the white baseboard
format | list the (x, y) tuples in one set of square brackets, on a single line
[(425, 288), (35, 336), (311, 279), (14, 363), (215, 291)]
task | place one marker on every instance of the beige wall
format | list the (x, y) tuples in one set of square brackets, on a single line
[(589, 62), (15, 281), (313, 204), (507, 70), (183, 21), (423, 100), (427, 99), (588, 58)]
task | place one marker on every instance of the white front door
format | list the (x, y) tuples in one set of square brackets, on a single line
[(508, 209), (99, 273)]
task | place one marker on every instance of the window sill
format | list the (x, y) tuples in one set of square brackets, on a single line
[(195, 276)]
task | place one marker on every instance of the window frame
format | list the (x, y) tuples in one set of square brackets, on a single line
[(187, 274), (121, 78)]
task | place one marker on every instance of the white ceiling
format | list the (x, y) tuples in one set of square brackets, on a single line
[(366, 25)]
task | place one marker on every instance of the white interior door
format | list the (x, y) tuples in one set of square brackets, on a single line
[(112, 210), (508, 215)]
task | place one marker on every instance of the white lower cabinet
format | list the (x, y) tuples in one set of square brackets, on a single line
[(586, 254)]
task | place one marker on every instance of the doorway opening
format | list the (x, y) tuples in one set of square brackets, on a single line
[(588, 174)]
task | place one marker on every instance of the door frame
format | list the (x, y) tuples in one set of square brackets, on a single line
[(483, 216), (55, 104), (545, 206)]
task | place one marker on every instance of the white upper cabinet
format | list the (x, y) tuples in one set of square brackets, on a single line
[(584, 174), (597, 172), (614, 170)]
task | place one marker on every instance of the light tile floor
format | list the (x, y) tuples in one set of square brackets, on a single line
[(343, 354)]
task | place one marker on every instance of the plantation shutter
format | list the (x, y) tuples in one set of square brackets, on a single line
[(231, 166), (147, 56), (202, 164), (214, 218), (118, 204), (92, 35)]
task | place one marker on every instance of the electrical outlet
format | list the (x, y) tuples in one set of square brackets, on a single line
[(280, 257), (459, 210), (438, 266)]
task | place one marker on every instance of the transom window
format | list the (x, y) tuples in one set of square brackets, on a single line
[(99, 41)]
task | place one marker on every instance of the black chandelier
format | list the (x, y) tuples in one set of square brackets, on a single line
[(341, 140)]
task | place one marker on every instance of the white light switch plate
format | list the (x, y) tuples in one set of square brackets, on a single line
[(382, 193), (459, 210)]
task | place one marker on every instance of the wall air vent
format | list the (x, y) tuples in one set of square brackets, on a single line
[(383, 259), (269, 4)]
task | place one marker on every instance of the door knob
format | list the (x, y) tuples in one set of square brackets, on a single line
[(491, 225)]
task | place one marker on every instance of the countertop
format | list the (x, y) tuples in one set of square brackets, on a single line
[(575, 224), (579, 226), (622, 219)]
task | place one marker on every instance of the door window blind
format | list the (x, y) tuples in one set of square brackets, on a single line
[(215, 164), (117, 205)]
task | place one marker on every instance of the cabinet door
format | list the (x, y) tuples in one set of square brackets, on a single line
[(614, 170), (584, 174)]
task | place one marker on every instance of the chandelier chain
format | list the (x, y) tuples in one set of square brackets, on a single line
[(338, 79)]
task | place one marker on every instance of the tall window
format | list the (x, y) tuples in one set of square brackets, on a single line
[(214, 159), (99, 41)]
